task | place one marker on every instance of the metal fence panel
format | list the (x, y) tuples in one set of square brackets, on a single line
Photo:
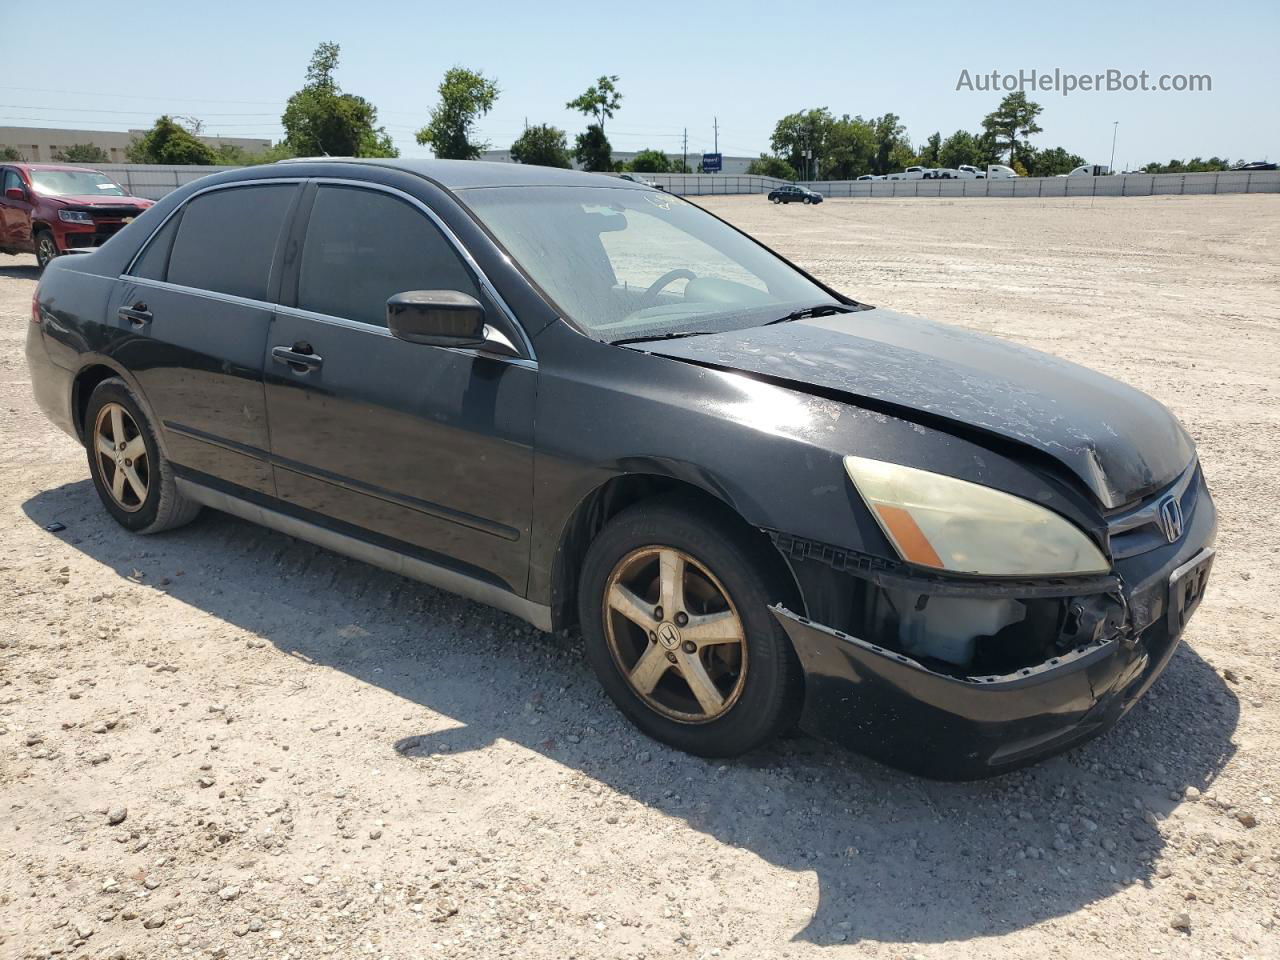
[(154, 181)]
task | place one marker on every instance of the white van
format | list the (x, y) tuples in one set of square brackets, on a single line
[(1090, 170), (998, 171)]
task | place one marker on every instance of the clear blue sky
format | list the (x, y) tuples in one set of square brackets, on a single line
[(233, 64)]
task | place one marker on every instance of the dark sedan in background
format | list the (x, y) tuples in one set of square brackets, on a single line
[(589, 403), (794, 193)]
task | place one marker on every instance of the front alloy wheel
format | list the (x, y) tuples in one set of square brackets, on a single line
[(46, 248), (675, 635), (122, 457), (673, 601)]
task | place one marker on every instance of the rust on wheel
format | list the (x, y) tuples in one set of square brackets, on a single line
[(122, 457), (675, 634)]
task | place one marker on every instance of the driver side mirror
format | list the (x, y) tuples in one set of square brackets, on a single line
[(438, 318), (15, 193)]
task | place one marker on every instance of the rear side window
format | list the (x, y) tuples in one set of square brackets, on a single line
[(227, 238), (154, 261), (363, 247)]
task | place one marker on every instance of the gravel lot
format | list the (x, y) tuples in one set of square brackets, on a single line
[(224, 742)]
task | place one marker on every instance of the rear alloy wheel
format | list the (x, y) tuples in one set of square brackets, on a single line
[(674, 607), (46, 248), (122, 457), (133, 479)]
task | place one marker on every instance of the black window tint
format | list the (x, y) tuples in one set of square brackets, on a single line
[(155, 258), (227, 238), (363, 247)]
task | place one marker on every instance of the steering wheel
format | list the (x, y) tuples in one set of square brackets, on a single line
[(650, 296)]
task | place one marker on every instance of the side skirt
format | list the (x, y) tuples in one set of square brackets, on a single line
[(537, 614)]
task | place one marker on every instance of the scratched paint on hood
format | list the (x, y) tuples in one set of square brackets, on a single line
[(1117, 440)]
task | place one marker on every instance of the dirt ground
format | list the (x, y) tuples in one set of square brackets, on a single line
[(315, 758)]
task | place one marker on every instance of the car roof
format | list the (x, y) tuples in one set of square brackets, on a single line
[(470, 174)]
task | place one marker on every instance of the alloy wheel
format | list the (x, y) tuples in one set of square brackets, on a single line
[(46, 250), (675, 635), (122, 457)]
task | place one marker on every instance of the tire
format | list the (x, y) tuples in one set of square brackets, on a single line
[(759, 700), (807, 201), (46, 247), (112, 406), (776, 199)]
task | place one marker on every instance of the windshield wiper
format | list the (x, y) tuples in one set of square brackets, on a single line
[(661, 336), (822, 310)]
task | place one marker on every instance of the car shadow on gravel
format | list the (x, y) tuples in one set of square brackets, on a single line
[(20, 271), (896, 859)]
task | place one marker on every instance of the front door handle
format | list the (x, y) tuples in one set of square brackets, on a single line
[(297, 358), (138, 314)]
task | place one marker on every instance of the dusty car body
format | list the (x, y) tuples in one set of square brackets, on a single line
[(970, 554)]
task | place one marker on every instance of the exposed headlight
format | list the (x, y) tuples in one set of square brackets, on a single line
[(938, 521), (75, 216)]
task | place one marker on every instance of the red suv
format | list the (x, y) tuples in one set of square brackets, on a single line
[(48, 209)]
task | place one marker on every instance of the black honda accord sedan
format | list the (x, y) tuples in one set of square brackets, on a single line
[(590, 403)]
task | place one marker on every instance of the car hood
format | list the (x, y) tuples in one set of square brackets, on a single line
[(1118, 441), (98, 200)]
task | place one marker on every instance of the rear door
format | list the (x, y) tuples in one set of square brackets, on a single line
[(426, 446), (195, 308)]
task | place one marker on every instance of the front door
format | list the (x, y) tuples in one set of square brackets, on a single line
[(421, 445), (15, 214)]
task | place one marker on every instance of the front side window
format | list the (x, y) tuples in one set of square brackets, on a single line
[(227, 238), (11, 179), (75, 183), (624, 263), (364, 246)]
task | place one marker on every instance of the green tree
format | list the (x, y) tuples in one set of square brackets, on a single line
[(1194, 165), (1051, 162), (543, 145), (891, 144), (1014, 120), (849, 150), (962, 148), (768, 166), (12, 154), (321, 120), (169, 143), (81, 153), (591, 149), (801, 137), (931, 152), (903, 155), (465, 97), (651, 161), (234, 155), (600, 100)]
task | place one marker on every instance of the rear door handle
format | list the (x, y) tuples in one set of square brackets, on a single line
[(138, 314), (298, 360)]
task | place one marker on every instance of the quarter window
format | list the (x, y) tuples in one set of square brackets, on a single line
[(154, 261), (227, 239), (363, 247)]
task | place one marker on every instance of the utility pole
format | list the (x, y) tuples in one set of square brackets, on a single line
[(715, 125), (1115, 128), (684, 151)]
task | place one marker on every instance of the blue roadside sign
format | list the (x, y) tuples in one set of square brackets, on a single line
[(711, 162)]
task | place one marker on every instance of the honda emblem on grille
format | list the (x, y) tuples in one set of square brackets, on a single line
[(1171, 518)]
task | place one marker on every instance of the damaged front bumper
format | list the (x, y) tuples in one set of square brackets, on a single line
[(883, 703)]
